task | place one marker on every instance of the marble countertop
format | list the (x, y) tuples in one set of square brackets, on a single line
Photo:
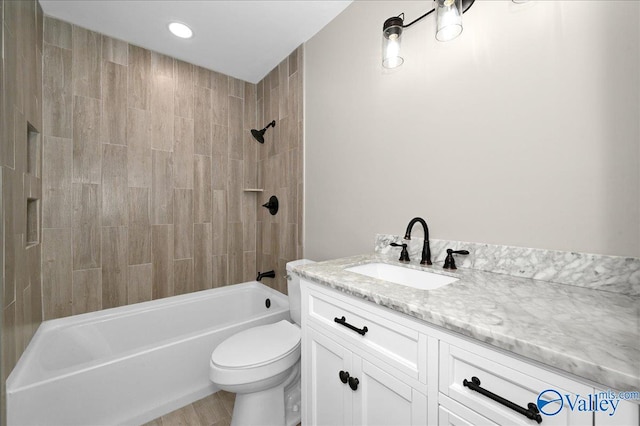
[(590, 333)]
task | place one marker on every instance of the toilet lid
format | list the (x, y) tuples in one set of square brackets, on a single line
[(257, 345)]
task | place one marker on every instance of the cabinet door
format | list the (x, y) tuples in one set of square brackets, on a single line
[(627, 413), (382, 399), (328, 400)]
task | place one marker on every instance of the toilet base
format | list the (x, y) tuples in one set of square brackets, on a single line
[(277, 406)]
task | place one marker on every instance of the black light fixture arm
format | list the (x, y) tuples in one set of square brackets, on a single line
[(466, 4), (417, 19)]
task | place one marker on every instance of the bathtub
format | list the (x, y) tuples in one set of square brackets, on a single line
[(131, 364)]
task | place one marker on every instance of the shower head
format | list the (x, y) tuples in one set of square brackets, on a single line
[(259, 134)]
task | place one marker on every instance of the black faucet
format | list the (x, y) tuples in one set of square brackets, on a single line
[(450, 262), (426, 248), (404, 254), (268, 274)]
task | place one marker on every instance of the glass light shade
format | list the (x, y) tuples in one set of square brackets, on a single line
[(448, 19), (391, 38)]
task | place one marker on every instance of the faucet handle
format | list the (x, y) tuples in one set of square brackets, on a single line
[(404, 254), (450, 262)]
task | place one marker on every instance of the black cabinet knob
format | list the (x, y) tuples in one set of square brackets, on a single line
[(353, 383), (344, 376)]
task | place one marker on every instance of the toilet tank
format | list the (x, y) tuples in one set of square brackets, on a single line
[(293, 289)]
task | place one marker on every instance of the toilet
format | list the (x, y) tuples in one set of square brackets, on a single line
[(261, 365)]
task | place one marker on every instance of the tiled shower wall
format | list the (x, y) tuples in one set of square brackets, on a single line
[(20, 161), (280, 163), (145, 162)]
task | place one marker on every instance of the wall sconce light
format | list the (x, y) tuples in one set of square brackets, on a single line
[(448, 21), (259, 134)]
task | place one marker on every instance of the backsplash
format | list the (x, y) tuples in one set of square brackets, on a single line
[(608, 273)]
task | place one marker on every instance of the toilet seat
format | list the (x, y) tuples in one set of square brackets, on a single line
[(256, 354), (257, 346)]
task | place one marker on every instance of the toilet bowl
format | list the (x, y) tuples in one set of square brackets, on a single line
[(261, 365)]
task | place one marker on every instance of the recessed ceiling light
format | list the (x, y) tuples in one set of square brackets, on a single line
[(180, 30)]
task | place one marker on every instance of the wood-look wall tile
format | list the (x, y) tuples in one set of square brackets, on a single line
[(57, 97), (57, 264), (249, 266), (220, 98), (184, 89), (260, 89), (114, 104), (219, 164), (86, 64), (250, 105), (139, 77), (114, 185), (283, 87), (139, 226), (294, 101), (162, 112), (162, 188), (249, 206), (183, 273), (139, 148), (140, 284), (202, 242), (219, 271), (293, 62), (219, 222), (114, 266), (250, 153), (183, 223), (162, 65), (86, 291), (56, 182), (291, 241), (57, 32), (162, 242), (114, 50), (87, 148), (202, 189), (202, 121), (9, 345), (203, 77), (234, 196), (34, 265), (39, 26), (236, 256), (236, 87), (86, 226), (236, 128), (183, 153)]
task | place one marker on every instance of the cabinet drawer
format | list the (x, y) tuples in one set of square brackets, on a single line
[(450, 413), (514, 380), (394, 343)]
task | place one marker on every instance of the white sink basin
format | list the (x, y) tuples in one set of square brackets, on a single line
[(404, 276)]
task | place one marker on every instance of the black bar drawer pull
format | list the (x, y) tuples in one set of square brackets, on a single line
[(531, 412), (343, 321)]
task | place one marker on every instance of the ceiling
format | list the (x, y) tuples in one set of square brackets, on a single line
[(243, 39)]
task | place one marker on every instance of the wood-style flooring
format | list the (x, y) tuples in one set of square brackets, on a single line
[(214, 410)]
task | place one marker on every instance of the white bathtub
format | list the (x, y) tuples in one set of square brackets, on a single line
[(131, 364)]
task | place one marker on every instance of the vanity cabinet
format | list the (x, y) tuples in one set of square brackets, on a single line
[(364, 364), (344, 388), (365, 371)]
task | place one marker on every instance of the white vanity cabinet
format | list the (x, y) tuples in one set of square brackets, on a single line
[(352, 378), (381, 367)]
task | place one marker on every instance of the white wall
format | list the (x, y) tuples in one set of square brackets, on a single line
[(523, 131)]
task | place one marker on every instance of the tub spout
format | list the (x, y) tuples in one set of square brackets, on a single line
[(268, 274)]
